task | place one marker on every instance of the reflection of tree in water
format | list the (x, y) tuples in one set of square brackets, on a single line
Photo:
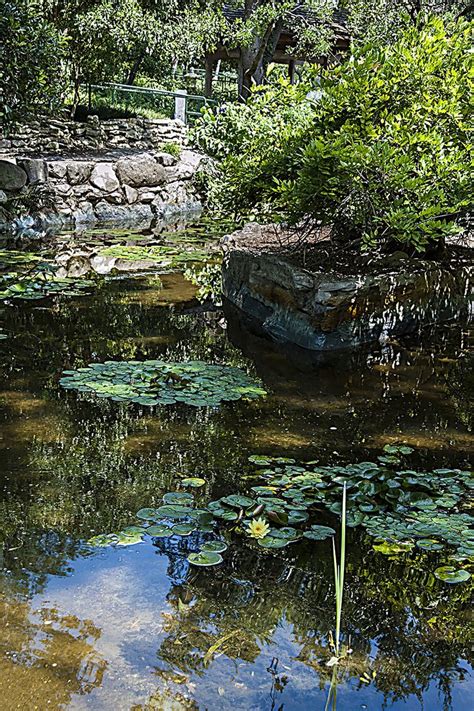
[(45, 657), (408, 629)]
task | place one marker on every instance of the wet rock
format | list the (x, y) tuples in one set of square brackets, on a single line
[(122, 213), (12, 176), (320, 312)]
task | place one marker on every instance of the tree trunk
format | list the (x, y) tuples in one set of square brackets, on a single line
[(132, 75), (254, 60)]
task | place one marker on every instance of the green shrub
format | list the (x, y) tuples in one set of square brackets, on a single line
[(389, 159), (383, 156)]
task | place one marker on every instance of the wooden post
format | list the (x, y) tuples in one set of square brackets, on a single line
[(291, 70), (208, 81)]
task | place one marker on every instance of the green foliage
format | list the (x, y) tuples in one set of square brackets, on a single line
[(31, 50), (155, 382), (389, 157), (382, 154)]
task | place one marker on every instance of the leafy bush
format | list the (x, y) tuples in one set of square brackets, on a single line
[(257, 143), (383, 156), (30, 60)]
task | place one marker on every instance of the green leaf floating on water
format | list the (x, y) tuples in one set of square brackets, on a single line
[(148, 514), (183, 529), (429, 544), (103, 540), (154, 382), (388, 548), (214, 547), (193, 482), (238, 501), (205, 558), (449, 574), (178, 497), (319, 533), (124, 539), (273, 542), (159, 531)]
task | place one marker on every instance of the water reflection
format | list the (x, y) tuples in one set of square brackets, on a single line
[(137, 628)]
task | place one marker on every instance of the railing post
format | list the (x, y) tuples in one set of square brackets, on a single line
[(180, 105)]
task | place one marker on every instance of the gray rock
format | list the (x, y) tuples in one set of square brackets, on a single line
[(57, 169), (3, 197), (122, 213), (131, 194), (104, 178), (166, 159), (12, 177), (141, 171), (85, 213), (35, 168), (79, 171)]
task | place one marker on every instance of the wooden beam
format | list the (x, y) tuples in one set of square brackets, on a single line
[(208, 80)]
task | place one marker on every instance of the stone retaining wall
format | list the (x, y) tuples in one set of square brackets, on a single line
[(109, 187), (50, 136), (324, 312)]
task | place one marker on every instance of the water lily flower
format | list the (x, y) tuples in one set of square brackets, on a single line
[(258, 528)]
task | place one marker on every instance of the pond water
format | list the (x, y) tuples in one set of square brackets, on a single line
[(137, 627)]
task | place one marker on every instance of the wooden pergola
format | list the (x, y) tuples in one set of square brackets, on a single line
[(285, 51)]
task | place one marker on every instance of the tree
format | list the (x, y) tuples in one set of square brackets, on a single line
[(255, 29), (31, 50), (382, 158), (384, 20)]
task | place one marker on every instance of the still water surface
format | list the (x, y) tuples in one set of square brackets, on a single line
[(137, 628)]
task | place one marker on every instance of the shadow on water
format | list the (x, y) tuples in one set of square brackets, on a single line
[(137, 628)]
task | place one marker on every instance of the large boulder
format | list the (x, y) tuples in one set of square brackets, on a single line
[(79, 171), (36, 170), (12, 176), (325, 312), (141, 171), (103, 178)]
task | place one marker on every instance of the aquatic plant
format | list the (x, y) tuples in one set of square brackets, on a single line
[(156, 382), (339, 572), (39, 286), (258, 528), (208, 279), (161, 256), (425, 516)]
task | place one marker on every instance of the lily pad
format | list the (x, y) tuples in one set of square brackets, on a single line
[(148, 514), (159, 531), (193, 482), (272, 542), (205, 558), (319, 533), (183, 529), (449, 574), (214, 547), (103, 540), (429, 544), (238, 501), (178, 497)]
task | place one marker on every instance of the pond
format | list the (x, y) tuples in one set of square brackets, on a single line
[(137, 626)]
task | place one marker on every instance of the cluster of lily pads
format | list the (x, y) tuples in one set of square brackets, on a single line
[(177, 516), (401, 508), (39, 286), (156, 382), (161, 256)]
